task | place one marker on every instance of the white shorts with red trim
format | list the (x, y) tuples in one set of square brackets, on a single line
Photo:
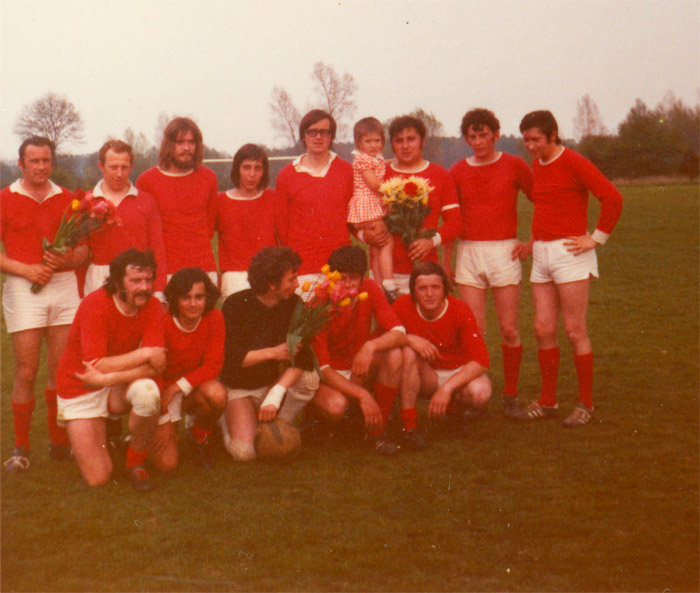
[(55, 304), (485, 264), (551, 262)]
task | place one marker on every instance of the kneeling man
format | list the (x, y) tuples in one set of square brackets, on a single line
[(446, 358), (115, 347), (353, 361)]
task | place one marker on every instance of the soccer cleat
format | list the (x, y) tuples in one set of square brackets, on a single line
[(60, 452), (139, 478), (18, 461), (413, 439), (383, 445), (536, 411), (200, 453), (391, 295), (581, 416), (511, 407), (473, 414)]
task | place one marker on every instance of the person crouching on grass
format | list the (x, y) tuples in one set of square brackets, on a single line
[(446, 358), (194, 342), (354, 361), (564, 258), (257, 320), (114, 349)]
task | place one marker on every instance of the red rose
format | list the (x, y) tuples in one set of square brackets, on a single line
[(410, 189)]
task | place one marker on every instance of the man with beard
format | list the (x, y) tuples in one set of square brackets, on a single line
[(115, 347), (185, 192)]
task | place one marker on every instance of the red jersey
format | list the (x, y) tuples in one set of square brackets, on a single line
[(187, 205), (560, 197), (345, 334), (454, 332), (197, 355), (140, 228), (99, 330), (488, 196), (245, 226), (311, 211), (24, 221), (443, 201)]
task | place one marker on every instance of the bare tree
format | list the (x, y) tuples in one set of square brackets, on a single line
[(161, 124), (335, 93), (433, 126), (587, 121), (285, 116), (52, 116)]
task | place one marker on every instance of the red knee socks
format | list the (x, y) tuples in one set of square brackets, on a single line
[(584, 372), (549, 369), (512, 355), (22, 413)]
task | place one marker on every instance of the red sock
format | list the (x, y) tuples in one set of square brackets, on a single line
[(22, 414), (135, 457), (409, 418), (57, 434), (549, 369), (386, 396), (200, 434), (512, 355), (584, 372)]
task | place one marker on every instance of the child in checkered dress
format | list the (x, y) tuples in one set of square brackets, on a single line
[(366, 206)]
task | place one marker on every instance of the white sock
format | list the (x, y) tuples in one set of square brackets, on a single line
[(389, 284)]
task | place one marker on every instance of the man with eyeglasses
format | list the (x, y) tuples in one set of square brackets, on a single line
[(312, 195)]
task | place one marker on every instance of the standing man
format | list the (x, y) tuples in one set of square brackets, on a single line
[(114, 348), (407, 135), (257, 320), (564, 258), (355, 362), (489, 253), (140, 226), (312, 195), (31, 209), (446, 358), (185, 192)]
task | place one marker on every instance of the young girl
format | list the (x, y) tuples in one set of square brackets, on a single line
[(366, 206)]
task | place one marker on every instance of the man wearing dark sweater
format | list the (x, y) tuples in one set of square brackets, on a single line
[(257, 320)]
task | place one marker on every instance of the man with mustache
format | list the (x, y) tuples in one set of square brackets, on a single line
[(185, 192), (114, 349)]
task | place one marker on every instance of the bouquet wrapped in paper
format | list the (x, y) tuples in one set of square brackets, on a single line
[(84, 216), (328, 296), (407, 202)]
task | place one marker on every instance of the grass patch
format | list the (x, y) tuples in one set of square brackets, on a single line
[(612, 507)]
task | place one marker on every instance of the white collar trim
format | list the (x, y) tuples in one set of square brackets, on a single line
[(322, 173), (395, 167), (229, 194), (18, 188), (470, 160), (444, 310), (99, 193), (187, 331), (549, 162)]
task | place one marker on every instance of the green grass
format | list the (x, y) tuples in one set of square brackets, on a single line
[(612, 507)]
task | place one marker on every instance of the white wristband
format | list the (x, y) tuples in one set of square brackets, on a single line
[(599, 236), (274, 396), (184, 385)]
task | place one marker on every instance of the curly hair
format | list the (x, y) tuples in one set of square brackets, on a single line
[(268, 266), (141, 260), (182, 282)]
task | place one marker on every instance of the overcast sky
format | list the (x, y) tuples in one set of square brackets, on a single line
[(122, 62)]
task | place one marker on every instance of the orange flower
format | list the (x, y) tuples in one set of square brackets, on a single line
[(363, 296)]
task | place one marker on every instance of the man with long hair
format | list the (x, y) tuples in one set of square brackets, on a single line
[(185, 192)]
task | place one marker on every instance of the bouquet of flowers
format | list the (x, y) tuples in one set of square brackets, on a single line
[(328, 296), (84, 216), (407, 201)]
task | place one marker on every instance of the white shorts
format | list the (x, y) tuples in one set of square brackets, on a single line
[(485, 264), (304, 389), (95, 277), (233, 282), (257, 395), (89, 405), (56, 304), (551, 262), (443, 375), (174, 413)]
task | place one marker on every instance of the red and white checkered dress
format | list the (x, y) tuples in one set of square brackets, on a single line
[(365, 204)]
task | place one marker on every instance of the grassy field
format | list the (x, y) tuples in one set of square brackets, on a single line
[(612, 507)]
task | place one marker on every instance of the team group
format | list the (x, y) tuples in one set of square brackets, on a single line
[(147, 340)]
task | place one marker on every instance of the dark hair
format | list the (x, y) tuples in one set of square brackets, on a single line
[(349, 259), (37, 141), (182, 282), (142, 260), (115, 146), (544, 121), (313, 117), (428, 268), (478, 119), (172, 132), (367, 125), (269, 265), (405, 122), (250, 152)]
